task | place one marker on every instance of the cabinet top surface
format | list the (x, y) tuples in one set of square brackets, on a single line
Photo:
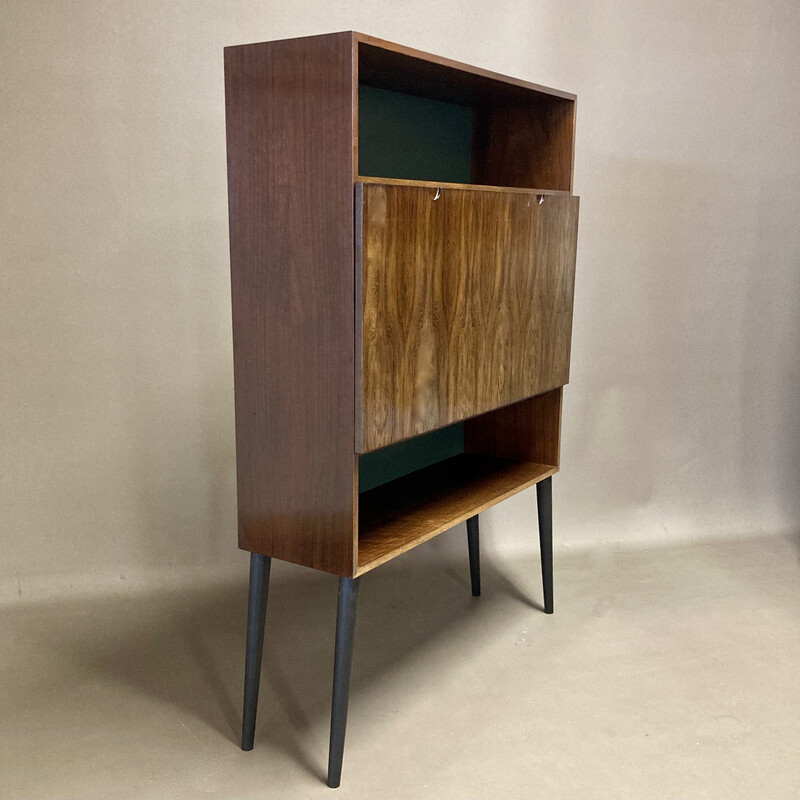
[(379, 56)]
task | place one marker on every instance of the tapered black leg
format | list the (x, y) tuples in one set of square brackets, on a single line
[(342, 664), (544, 503), (256, 613), (473, 542)]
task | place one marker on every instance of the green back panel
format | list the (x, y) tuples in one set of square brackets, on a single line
[(404, 136), (388, 463)]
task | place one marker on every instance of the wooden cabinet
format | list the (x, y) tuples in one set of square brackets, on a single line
[(403, 240)]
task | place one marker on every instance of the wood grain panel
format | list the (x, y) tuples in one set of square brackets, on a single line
[(408, 511), (466, 304), (528, 146), (529, 430), (290, 133)]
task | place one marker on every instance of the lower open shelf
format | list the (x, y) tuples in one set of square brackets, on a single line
[(405, 512)]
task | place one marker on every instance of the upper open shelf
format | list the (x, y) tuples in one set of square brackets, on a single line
[(406, 69), (425, 118)]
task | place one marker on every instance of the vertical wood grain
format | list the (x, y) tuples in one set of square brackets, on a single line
[(528, 146), (466, 304), (529, 430), (290, 135)]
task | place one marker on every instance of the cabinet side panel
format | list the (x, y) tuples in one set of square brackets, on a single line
[(526, 431), (528, 146), (289, 117)]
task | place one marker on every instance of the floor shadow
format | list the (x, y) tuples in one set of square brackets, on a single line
[(186, 648)]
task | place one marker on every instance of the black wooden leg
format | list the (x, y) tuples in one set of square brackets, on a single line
[(342, 664), (256, 613), (544, 503), (473, 542)]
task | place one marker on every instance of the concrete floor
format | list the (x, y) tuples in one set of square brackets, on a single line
[(665, 673)]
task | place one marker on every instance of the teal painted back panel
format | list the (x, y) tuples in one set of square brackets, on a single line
[(404, 136), (388, 463)]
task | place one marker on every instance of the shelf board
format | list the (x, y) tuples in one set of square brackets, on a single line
[(390, 65), (476, 187), (401, 514)]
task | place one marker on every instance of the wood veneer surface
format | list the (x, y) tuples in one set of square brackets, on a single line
[(529, 430), (289, 115), (528, 146), (465, 299)]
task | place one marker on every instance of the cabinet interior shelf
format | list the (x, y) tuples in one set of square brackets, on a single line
[(451, 185), (407, 511)]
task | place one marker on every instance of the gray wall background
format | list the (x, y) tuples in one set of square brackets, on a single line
[(116, 401)]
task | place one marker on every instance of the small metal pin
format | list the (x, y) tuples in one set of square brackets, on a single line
[(541, 199), (438, 192)]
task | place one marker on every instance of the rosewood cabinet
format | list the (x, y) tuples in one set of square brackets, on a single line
[(403, 234)]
